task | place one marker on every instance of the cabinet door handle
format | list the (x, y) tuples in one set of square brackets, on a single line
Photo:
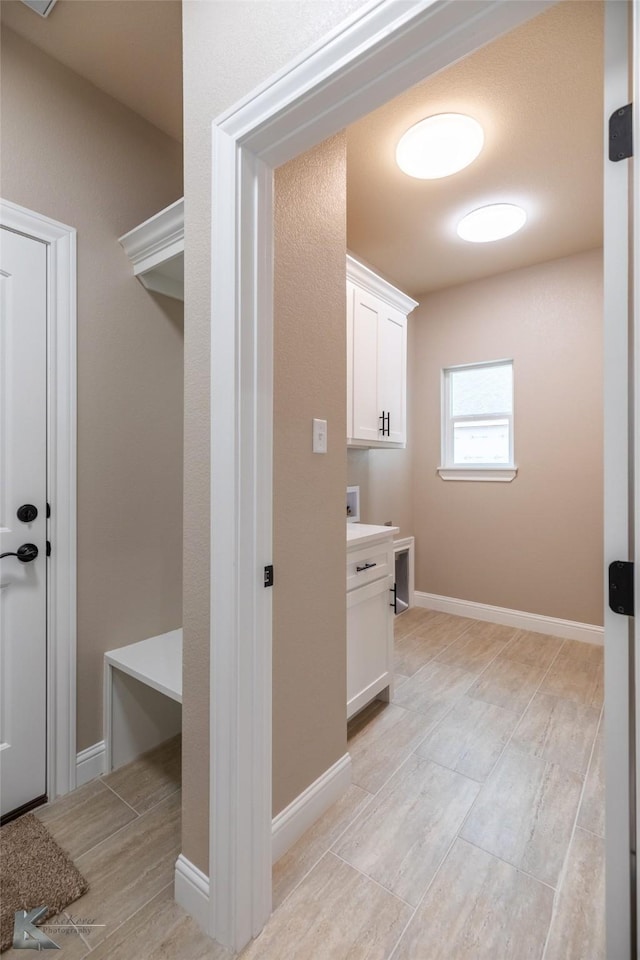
[(367, 566), (382, 427), (394, 591), (389, 424)]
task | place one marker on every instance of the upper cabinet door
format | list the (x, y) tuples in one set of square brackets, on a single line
[(392, 372), (376, 359), (367, 422)]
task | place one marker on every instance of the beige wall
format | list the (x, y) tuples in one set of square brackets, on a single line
[(310, 350), (228, 49), (534, 544), (73, 153)]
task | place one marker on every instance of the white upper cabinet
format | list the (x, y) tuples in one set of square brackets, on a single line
[(376, 359)]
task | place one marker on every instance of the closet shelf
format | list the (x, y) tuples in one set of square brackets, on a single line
[(156, 250)]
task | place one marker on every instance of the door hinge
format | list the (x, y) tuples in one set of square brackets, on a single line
[(268, 575), (621, 587), (621, 133), (48, 548)]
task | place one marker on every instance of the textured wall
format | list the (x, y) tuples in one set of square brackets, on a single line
[(229, 49), (73, 153), (310, 358), (534, 544)]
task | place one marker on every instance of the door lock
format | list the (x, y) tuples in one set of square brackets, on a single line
[(25, 554), (27, 513)]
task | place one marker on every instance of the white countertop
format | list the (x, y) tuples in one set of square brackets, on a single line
[(361, 533)]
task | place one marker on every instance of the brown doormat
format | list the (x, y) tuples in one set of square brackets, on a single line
[(34, 872)]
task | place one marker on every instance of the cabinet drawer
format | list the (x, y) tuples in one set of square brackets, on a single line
[(368, 564)]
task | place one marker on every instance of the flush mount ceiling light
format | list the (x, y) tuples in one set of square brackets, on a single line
[(493, 222), (439, 146)]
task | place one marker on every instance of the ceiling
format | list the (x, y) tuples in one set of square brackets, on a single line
[(538, 93), (131, 49)]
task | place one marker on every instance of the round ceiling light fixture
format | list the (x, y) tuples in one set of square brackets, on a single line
[(493, 222), (439, 146)]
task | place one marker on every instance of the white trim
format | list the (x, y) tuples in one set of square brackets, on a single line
[(620, 863), (191, 890), (378, 287), (90, 763), (381, 51), (157, 239), (192, 886), (496, 474), (567, 629), (374, 689), (151, 244), (375, 444), (634, 72), (158, 282), (408, 544), (301, 814), (61, 486)]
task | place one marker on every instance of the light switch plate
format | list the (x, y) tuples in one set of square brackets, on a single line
[(319, 436)]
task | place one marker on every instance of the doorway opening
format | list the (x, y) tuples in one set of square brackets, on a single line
[(248, 430), (480, 546)]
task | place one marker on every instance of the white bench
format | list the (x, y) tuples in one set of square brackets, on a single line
[(142, 697)]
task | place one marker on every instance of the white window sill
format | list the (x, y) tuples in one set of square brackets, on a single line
[(500, 474)]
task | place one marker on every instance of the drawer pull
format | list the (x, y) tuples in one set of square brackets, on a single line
[(367, 566)]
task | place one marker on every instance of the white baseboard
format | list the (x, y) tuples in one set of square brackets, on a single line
[(567, 629), (302, 813), (191, 890), (90, 763), (191, 887)]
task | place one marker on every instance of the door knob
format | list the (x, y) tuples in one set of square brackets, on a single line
[(27, 513), (26, 553)]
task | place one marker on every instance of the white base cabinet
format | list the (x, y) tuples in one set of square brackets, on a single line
[(368, 668), (369, 615)]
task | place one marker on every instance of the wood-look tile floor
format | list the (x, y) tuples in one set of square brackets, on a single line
[(123, 832), (474, 826), (473, 829)]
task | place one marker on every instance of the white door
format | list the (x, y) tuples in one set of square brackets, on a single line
[(23, 472), (392, 372), (366, 415)]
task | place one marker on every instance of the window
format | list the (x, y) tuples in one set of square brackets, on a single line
[(477, 422)]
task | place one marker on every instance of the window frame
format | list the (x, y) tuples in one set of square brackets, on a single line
[(448, 469)]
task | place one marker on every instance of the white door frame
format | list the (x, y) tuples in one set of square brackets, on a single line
[(618, 534), (384, 49), (61, 487)]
